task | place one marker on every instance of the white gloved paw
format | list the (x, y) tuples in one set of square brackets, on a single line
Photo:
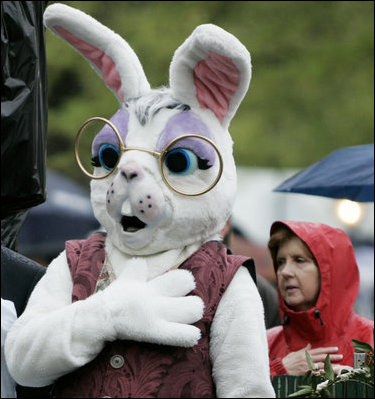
[(155, 311)]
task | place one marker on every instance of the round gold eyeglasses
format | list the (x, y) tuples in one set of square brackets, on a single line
[(190, 164)]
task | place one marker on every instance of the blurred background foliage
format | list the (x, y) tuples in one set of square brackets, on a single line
[(312, 84)]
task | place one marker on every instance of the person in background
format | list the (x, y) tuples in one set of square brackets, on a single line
[(318, 283), (266, 290)]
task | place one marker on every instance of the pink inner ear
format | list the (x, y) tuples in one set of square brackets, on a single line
[(110, 75), (216, 79)]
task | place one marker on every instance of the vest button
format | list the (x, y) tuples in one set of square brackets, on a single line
[(117, 361)]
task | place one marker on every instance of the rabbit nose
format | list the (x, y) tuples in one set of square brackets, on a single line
[(131, 172)]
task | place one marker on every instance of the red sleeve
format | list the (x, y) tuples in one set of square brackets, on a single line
[(277, 367), (274, 336)]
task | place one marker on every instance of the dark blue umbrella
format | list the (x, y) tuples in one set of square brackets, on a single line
[(67, 214), (345, 173)]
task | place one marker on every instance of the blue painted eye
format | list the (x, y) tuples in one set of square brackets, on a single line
[(181, 161), (108, 156)]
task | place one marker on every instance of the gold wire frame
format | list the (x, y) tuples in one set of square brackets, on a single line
[(78, 137), (159, 155)]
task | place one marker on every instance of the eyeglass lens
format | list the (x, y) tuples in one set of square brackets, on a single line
[(99, 146)]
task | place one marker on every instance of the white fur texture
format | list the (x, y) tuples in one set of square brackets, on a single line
[(205, 39), (238, 342), (83, 26)]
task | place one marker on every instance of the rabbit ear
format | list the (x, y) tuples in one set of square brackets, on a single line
[(211, 69), (108, 53)]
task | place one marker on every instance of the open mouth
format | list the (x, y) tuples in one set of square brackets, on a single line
[(132, 224)]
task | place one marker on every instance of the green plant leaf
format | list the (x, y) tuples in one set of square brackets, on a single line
[(301, 392), (309, 360), (325, 393), (362, 346), (328, 370), (306, 376), (314, 381)]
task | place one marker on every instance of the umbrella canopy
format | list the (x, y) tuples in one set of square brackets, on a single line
[(345, 173), (67, 214)]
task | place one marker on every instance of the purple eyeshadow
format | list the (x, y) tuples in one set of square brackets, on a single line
[(187, 123), (107, 136)]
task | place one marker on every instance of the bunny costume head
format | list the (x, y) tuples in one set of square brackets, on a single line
[(161, 194)]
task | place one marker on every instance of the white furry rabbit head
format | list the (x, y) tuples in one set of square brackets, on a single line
[(154, 199)]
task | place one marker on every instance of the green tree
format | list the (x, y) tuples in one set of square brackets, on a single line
[(312, 84)]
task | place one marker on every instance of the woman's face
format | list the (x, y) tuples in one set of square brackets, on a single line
[(298, 276)]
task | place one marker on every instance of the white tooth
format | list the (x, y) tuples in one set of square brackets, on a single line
[(126, 209)]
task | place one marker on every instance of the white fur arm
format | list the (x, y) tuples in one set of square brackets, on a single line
[(238, 344), (53, 336)]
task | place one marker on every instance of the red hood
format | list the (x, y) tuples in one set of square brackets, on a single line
[(339, 285)]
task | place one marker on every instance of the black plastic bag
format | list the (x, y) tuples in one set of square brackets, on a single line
[(23, 107)]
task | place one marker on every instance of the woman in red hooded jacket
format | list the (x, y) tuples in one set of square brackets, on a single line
[(318, 282)]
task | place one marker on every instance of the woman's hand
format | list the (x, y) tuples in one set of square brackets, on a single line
[(295, 363)]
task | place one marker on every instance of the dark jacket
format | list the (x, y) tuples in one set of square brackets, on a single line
[(268, 293), (19, 275)]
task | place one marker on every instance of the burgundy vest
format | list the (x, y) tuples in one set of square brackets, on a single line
[(141, 370)]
